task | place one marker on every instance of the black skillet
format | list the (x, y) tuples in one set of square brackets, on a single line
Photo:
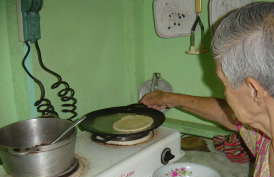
[(100, 122)]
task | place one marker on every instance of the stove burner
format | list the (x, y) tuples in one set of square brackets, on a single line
[(81, 169), (73, 168), (123, 140), (104, 139), (77, 169)]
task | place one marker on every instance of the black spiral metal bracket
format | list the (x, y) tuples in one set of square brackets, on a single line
[(66, 94), (43, 105)]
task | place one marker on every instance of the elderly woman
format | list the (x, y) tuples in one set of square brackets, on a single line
[(243, 45)]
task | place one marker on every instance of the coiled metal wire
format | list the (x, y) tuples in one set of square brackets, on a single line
[(43, 105), (66, 93)]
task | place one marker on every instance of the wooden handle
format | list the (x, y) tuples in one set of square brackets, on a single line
[(198, 6)]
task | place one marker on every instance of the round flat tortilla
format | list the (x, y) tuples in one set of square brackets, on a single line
[(133, 123)]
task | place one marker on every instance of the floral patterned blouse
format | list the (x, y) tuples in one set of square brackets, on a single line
[(259, 145)]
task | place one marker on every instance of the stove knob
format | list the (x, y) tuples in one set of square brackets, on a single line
[(166, 156)]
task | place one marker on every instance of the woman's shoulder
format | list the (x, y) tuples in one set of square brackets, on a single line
[(253, 137)]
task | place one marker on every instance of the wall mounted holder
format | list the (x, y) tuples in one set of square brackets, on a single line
[(174, 18), (29, 19)]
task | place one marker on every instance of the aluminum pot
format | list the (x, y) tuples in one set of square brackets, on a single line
[(20, 155)]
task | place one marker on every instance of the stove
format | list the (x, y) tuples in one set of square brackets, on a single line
[(96, 159), (124, 141)]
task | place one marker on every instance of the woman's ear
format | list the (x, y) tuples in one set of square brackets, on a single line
[(256, 90)]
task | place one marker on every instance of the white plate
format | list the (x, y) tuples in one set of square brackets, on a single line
[(185, 170)]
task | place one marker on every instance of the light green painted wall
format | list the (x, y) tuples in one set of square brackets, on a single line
[(95, 45), (13, 87), (105, 50), (190, 74), (7, 111), (92, 45)]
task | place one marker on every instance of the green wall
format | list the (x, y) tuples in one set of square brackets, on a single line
[(95, 45), (190, 74), (91, 44), (13, 85), (8, 114), (105, 50)]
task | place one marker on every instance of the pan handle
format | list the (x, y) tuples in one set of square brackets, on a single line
[(131, 107), (137, 105)]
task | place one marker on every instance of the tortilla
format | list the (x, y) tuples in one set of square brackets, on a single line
[(133, 123)]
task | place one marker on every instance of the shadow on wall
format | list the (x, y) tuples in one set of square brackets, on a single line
[(209, 68), (210, 78)]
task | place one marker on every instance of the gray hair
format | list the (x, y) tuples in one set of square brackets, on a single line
[(243, 45)]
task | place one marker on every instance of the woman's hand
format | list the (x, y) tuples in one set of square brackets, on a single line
[(158, 100)]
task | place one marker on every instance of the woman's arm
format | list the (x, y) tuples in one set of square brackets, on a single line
[(212, 109)]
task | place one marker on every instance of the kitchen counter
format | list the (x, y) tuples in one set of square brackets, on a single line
[(196, 129)]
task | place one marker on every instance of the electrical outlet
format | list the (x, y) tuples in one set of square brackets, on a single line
[(174, 18), (29, 19)]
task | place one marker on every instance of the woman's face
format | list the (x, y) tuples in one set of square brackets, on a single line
[(238, 99)]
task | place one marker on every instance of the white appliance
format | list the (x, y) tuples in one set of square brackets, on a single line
[(141, 160)]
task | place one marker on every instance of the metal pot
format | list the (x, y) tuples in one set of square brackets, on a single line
[(20, 155)]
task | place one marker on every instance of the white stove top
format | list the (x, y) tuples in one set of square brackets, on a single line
[(125, 161)]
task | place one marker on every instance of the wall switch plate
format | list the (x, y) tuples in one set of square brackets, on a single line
[(174, 18)]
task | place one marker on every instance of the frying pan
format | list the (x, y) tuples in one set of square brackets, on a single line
[(100, 122)]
